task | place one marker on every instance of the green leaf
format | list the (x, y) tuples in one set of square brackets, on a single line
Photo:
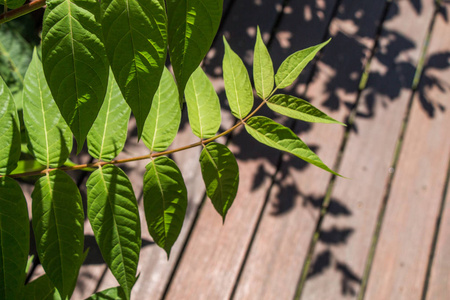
[(109, 294), (237, 83), (50, 139), (113, 214), (192, 26), (294, 65), (221, 176), (75, 62), (275, 135), (165, 201), (203, 105), (262, 68), (9, 131), (29, 165), (58, 221), (136, 44), (41, 289), (108, 134), (15, 56), (12, 3), (298, 109), (14, 238), (162, 124)]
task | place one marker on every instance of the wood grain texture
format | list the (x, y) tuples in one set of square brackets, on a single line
[(276, 259), (439, 284), (345, 240), (403, 249)]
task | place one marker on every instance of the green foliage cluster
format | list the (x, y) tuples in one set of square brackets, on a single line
[(99, 63)]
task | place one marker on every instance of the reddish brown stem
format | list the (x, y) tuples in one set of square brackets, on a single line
[(23, 10)]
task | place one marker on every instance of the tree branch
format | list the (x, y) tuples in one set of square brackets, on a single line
[(23, 10)]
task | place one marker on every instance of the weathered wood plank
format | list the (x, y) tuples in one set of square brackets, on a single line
[(281, 243), (403, 249), (345, 240), (439, 284)]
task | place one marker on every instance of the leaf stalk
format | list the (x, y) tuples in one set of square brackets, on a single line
[(137, 158)]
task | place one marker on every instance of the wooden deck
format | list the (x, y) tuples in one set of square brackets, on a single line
[(295, 231)]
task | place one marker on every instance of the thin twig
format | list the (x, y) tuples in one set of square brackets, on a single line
[(137, 158)]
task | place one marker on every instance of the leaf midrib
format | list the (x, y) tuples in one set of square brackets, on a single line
[(218, 172), (134, 62), (51, 191), (298, 65), (74, 67), (43, 116), (122, 265), (163, 202), (105, 127), (235, 82)]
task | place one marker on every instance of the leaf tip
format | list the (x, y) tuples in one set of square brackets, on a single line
[(168, 249)]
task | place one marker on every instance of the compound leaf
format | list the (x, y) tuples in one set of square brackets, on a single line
[(203, 105), (292, 66), (41, 289), (109, 294), (221, 176), (75, 62), (107, 136), (9, 131), (262, 68), (162, 124), (50, 139), (275, 135), (237, 83), (58, 221), (113, 214), (192, 25), (165, 201), (300, 109), (136, 42), (14, 238)]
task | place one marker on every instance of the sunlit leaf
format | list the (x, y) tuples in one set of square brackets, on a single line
[(113, 214), (50, 139), (294, 65), (29, 165), (262, 68), (109, 294), (300, 109), (282, 138), (203, 105), (162, 124), (41, 289), (237, 83), (165, 201), (58, 221), (136, 42), (9, 131), (75, 62), (14, 238), (107, 136), (221, 176), (192, 25)]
